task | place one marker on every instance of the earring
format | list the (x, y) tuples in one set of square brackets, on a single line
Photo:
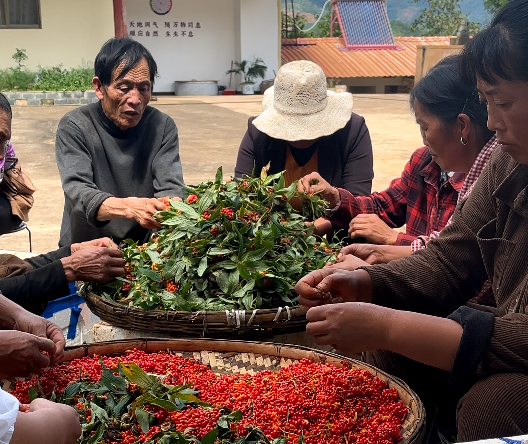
[(462, 141)]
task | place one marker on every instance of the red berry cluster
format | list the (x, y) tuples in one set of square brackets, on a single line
[(227, 212), (215, 231), (192, 198), (206, 215), (325, 403), (171, 287)]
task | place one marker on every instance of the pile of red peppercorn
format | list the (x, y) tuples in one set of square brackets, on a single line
[(319, 402)]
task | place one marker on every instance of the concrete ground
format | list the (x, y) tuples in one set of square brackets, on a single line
[(211, 129)]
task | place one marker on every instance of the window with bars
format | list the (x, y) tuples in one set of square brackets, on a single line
[(19, 13)]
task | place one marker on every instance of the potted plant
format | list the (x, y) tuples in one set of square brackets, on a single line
[(250, 71)]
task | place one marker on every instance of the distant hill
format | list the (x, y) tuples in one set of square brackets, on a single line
[(403, 10)]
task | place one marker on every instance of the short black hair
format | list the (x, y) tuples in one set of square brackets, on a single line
[(500, 50), (5, 105), (122, 51), (445, 95)]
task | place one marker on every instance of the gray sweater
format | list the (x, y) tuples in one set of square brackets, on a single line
[(97, 160)]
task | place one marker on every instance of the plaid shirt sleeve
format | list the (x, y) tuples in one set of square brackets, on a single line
[(390, 205)]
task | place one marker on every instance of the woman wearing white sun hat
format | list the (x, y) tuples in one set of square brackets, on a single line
[(306, 128)]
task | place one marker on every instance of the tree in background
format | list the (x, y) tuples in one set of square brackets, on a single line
[(442, 17), (291, 26), (323, 27), (402, 29), (492, 6)]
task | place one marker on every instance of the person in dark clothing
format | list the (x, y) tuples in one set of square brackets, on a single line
[(117, 157), (35, 281), (411, 314), (307, 128)]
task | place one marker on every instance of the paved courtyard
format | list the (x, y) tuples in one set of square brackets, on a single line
[(210, 129)]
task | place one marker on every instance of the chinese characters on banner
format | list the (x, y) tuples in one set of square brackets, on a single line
[(163, 29)]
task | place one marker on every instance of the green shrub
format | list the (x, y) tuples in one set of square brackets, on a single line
[(16, 79), (58, 79)]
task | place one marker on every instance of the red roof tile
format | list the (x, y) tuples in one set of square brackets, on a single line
[(331, 55)]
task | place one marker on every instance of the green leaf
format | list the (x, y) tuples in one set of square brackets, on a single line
[(70, 391), (151, 274), (154, 255), (98, 412), (247, 300), (143, 419), (206, 200), (216, 251), (263, 174), (210, 438), (32, 394), (112, 382), (246, 288), (219, 177), (202, 266), (255, 255), (123, 402), (137, 375), (222, 279), (164, 404), (186, 209), (96, 437)]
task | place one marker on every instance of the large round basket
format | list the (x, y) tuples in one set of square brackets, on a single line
[(255, 324), (239, 357)]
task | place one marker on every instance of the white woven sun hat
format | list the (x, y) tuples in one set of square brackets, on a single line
[(302, 108), (267, 98)]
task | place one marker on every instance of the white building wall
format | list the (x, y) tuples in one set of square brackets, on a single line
[(259, 33), (229, 29), (72, 33)]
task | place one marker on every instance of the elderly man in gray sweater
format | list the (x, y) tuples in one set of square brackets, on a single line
[(117, 157)]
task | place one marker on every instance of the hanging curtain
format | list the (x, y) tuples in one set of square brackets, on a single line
[(23, 12)]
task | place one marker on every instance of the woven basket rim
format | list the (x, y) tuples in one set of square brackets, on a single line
[(260, 311), (295, 352), (201, 323)]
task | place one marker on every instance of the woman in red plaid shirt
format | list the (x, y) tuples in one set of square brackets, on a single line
[(453, 126)]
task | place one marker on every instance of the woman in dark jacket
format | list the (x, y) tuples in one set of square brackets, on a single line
[(306, 129)]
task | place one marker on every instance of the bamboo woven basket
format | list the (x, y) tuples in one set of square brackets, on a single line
[(239, 357), (255, 324)]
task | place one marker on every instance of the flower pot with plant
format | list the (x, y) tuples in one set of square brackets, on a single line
[(249, 71)]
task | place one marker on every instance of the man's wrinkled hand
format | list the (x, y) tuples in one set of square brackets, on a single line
[(97, 264), (101, 242), (141, 209), (372, 228)]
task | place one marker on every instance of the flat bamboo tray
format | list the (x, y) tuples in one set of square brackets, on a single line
[(255, 324), (239, 357)]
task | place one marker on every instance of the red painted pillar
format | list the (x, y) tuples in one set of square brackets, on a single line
[(120, 23)]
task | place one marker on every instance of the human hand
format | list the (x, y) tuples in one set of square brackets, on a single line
[(101, 242), (141, 210), (352, 327), (323, 227), (372, 228), (329, 285), (348, 262), (21, 353), (99, 264), (313, 183), (30, 323), (370, 253)]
